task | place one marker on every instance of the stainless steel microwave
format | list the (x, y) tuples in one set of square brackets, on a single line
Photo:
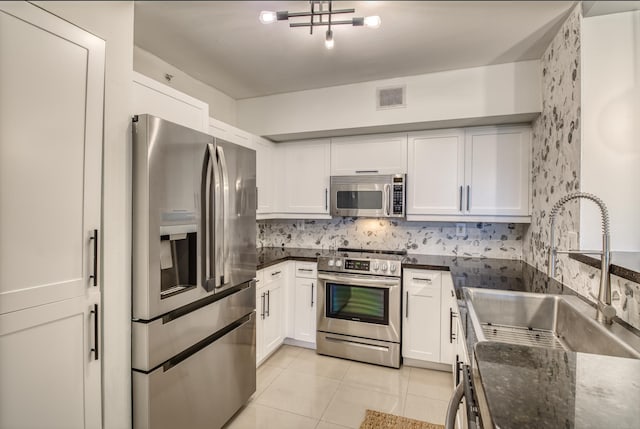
[(368, 196)]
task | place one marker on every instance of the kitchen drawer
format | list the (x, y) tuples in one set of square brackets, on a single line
[(307, 270), (274, 273), (422, 277)]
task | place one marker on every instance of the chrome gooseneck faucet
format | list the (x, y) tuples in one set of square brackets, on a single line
[(605, 312)]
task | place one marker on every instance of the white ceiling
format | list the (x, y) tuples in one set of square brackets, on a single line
[(223, 44)]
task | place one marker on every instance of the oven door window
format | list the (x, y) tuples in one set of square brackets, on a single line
[(358, 303), (367, 200)]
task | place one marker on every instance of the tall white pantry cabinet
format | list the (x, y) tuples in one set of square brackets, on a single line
[(51, 116)]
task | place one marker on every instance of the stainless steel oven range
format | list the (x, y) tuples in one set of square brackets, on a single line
[(359, 306)]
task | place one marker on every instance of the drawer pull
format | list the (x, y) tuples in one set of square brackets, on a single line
[(276, 273), (422, 279)]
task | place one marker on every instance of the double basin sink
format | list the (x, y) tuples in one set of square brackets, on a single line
[(552, 321)]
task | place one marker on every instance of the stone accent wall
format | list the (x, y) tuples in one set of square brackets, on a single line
[(556, 172)]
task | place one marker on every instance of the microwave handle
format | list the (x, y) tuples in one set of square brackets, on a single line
[(387, 202)]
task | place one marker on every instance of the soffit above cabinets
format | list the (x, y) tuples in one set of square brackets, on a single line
[(224, 45)]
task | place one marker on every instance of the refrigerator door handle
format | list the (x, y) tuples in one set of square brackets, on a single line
[(209, 181), (224, 213)]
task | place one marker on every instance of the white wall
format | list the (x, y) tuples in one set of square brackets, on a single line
[(611, 128), (221, 106), (498, 90), (113, 22)]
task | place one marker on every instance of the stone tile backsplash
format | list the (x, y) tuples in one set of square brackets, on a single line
[(491, 240)]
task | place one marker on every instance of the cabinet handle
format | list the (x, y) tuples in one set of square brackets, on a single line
[(326, 199), (366, 171), (457, 369), (422, 279), (312, 294), (407, 306), (308, 270), (451, 316), (262, 306), (276, 273), (468, 196), (268, 303), (95, 331), (94, 276), (461, 198), (453, 294)]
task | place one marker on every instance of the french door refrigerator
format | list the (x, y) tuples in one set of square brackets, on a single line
[(193, 287)]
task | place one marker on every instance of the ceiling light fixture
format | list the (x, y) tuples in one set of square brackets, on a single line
[(321, 14)]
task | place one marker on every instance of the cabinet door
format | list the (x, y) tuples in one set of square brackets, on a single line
[(265, 175), (51, 110), (49, 368), (305, 309), (435, 174), (448, 321), (305, 178), (150, 96), (421, 330), (260, 318), (273, 321), (497, 170), (375, 154)]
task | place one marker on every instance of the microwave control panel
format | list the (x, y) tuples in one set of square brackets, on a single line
[(398, 195)]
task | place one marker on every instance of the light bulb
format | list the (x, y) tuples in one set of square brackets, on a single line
[(328, 40), (372, 21), (267, 17)]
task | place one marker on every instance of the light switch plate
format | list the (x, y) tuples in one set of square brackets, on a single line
[(572, 236), (461, 229)]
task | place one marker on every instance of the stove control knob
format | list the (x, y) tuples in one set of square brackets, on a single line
[(338, 262), (384, 267), (331, 262), (375, 266), (392, 267)]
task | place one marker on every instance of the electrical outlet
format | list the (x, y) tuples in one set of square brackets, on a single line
[(461, 229)]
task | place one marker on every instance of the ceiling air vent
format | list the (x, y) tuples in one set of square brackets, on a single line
[(391, 97)]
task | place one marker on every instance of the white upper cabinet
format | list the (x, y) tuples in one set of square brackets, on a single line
[(265, 175), (473, 174), (224, 131), (497, 170), (155, 98), (372, 154), (435, 172), (303, 177)]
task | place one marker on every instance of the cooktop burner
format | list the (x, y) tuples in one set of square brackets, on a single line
[(402, 252)]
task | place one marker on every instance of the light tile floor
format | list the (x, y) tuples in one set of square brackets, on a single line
[(298, 389)]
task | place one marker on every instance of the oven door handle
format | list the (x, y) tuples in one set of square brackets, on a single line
[(355, 280)]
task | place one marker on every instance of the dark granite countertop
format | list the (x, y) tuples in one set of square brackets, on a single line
[(535, 387), (268, 256), (623, 264)]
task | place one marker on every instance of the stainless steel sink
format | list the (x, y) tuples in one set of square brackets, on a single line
[(553, 321)]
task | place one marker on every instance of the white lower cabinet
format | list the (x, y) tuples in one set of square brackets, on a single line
[(430, 312), (306, 286), (448, 321), (421, 311), (270, 309)]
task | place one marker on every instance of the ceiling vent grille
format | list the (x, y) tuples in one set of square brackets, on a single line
[(391, 97)]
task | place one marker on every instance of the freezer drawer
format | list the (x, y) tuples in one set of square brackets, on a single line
[(200, 388), (157, 341)]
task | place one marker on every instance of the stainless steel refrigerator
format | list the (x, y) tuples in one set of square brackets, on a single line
[(193, 289)]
